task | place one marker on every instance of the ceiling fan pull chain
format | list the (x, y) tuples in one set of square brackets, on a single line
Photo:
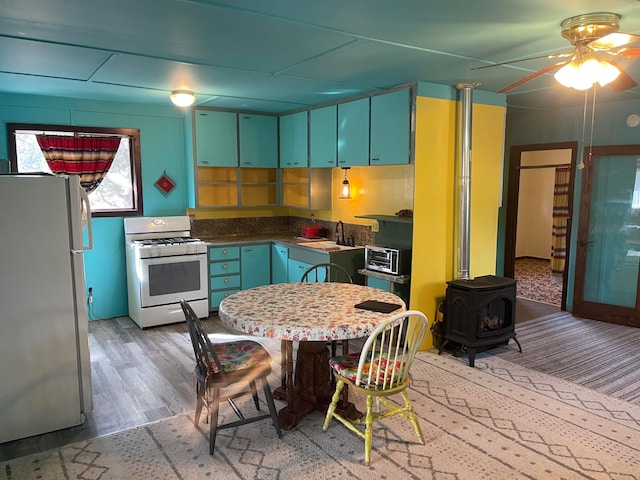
[(584, 126), (593, 116)]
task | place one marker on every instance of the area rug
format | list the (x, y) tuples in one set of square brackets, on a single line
[(496, 421), (535, 282)]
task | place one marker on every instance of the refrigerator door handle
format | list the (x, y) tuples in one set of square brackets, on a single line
[(84, 196)]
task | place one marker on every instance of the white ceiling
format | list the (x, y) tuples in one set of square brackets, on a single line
[(281, 55)]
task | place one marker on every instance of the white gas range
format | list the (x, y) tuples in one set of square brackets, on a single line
[(164, 265)]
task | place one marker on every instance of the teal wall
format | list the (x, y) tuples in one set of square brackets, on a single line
[(162, 145), (538, 127)]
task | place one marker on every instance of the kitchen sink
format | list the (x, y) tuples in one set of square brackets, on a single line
[(327, 246)]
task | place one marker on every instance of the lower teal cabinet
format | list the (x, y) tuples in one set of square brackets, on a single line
[(295, 269), (279, 260), (224, 274), (255, 265), (379, 283)]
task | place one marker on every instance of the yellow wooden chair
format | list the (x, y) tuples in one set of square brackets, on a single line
[(379, 371)]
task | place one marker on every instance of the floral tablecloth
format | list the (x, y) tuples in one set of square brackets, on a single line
[(305, 311)]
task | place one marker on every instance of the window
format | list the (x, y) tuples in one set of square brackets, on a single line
[(119, 194)]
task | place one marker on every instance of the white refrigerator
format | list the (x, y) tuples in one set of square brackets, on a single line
[(45, 370)]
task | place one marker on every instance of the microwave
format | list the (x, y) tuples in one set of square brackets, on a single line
[(391, 260)]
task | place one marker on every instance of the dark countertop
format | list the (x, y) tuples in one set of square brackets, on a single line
[(285, 238)]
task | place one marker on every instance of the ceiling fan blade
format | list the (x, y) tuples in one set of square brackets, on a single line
[(537, 74), (554, 55), (628, 52), (623, 82), (613, 40)]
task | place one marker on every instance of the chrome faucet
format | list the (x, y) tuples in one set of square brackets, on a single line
[(340, 235)]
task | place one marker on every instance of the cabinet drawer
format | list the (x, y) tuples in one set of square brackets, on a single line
[(228, 281), (216, 297), (224, 268), (222, 253)]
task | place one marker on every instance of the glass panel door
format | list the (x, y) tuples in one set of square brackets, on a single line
[(608, 253)]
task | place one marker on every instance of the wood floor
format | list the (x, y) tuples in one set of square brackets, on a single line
[(138, 376)]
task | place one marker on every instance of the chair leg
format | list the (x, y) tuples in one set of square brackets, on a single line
[(213, 423), (254, 393), (332, 405), (412, 416), (272, 406), (368, 431), (199, 401)]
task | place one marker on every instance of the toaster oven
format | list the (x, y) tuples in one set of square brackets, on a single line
[(391, 260)]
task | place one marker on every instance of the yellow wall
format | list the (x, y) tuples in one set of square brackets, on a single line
[(382, 190), (434, 198)]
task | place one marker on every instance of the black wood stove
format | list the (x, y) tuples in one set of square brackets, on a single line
[(479, 314)]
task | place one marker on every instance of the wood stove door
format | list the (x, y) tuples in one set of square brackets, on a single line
[(608, 247)]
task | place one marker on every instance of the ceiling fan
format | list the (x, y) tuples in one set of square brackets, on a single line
[(596, 41)]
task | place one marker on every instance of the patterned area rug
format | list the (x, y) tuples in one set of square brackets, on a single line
[(496, 421), (535, 281)]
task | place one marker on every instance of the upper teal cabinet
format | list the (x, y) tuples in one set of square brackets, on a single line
[(216, 139), (353, 133), (294, 140), (390, 128), (258, 140), (323, 141)]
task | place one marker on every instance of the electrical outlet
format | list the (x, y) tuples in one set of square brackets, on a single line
[(375, 227), (90, 299)]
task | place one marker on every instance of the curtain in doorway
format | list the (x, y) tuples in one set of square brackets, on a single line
[(88, 157), (560, 220)]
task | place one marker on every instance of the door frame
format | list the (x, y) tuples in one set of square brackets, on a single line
[(513, 189)]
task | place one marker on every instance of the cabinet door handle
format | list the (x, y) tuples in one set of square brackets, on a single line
[(224, 252), (226, 280), (225, 266)]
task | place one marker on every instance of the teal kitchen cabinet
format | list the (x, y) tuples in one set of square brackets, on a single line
[(224, 273), (397, 284), (255, 265), (216, 138), (390, 128), (296, 268), (294, 140), (301, 258), (258, 140), (323, 137), (279, 264), (353, 133)]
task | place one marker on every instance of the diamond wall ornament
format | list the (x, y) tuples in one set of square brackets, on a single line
[(165, 184)]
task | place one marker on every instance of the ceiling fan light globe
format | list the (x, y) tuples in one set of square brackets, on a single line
[(567, 74), (608, 73)]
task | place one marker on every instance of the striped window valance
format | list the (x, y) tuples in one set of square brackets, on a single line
[(89, 157)]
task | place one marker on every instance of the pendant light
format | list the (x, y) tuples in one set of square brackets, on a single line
[(182, 98), (345, 187)]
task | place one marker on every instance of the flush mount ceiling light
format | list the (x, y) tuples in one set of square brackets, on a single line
[(182, 98), (345, 187)]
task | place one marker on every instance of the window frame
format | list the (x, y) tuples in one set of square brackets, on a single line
[(136, 163)]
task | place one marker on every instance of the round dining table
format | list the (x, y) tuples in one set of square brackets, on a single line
[(311, 313)]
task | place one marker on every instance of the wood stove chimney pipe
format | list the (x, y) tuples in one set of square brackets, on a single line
[(464, 180)]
